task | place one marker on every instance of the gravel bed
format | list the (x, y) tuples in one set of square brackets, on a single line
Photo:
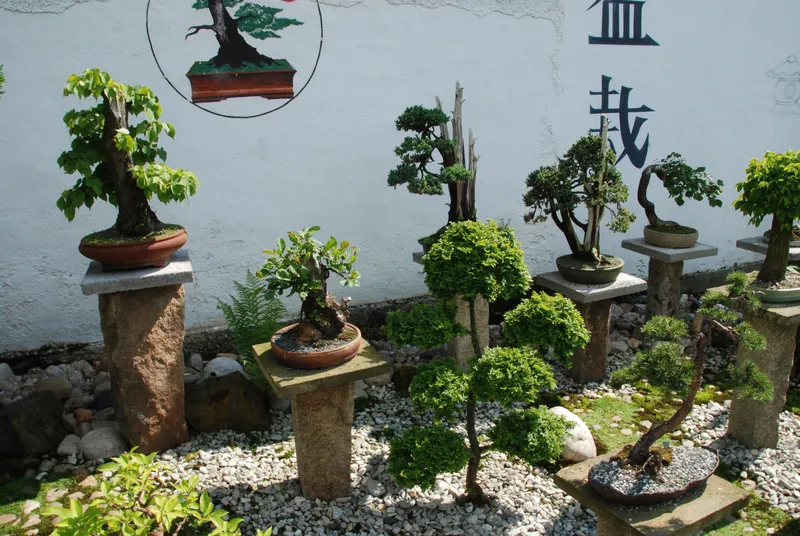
[(288, 341)]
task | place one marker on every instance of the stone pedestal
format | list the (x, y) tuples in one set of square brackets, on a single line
[(664, 273), (756, 244), (142, 318), (755, 424), (322, 416), (686, 516), (594, 304)]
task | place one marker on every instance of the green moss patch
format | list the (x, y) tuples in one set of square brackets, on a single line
[(672, 229), (206, 67), (113, 236), (755, 519), (600, 412)]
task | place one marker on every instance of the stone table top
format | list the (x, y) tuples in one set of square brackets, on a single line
[(756, 244), (686, 516), (417, 256), (624, 285), (177, 272), (669, 254), (288, 382)]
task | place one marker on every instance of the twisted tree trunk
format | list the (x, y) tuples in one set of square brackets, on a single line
[(233, 49), (462, 193), (320, 307), (648, 206), (774, 267)]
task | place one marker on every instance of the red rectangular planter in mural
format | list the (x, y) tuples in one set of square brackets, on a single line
[(210, 84)]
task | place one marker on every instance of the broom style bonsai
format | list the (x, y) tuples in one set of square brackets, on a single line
[(303, 267), (585, 175), (473, 259), (116, 153), (418, 151), (772, 187)]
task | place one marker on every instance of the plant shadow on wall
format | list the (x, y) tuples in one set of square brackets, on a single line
[(239, 69)]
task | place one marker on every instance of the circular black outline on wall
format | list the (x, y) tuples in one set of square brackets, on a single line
[(178, 91)]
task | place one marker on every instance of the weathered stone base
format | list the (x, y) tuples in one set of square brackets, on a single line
[(322, 422), (589, 363), (663, 288), (143, 333), (460, 348)]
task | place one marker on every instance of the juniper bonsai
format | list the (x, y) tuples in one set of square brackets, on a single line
[(303, 267), (585, 175), (117, 158)]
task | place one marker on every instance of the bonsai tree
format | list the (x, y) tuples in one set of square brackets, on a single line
[(454, 170), (772, 187), (303, 267), (665, 365), (259, 21), (585, 175), (118, 159), (472, 259), (682, 181)]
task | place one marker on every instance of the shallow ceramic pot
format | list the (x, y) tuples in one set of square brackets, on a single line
[(578, 272), (777, 295), (129, 255), (670, 240), (316, 360)]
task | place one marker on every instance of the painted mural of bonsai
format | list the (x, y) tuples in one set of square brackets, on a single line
[(239, 69), (641, 473), (116, 153), (455, 168), (682, 182), (585, 175), (772, 187), (474, 259)]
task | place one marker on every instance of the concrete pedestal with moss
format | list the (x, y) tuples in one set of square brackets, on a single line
[(665, 269), (322, 416), (594, 304), (686, 516), (142, 318)]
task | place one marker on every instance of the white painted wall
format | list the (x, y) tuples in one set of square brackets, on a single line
[(527, 69)]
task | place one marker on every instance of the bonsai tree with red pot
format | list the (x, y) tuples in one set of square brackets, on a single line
[(119, 160), (323, 337)]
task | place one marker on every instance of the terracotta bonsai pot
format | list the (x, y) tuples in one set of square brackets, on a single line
[(316, 360), (582, 272), (663, 239), (128, 255)]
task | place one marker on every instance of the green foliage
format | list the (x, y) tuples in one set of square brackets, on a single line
[(253, 315), (663, 365), (508, 375), (547, 322), (772, 187), (440, 386), (534, 435), (423, 326), (135, 502), (475, 258), (87, 156), (752, 384), (720, 315), (665, 328), (303, 266), (737, 283), (684, 181), (714, 297), (2, 80), (260, 21), (750, 339), (420, 454)]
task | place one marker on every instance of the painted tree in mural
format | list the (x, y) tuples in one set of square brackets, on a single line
[(260, 22)]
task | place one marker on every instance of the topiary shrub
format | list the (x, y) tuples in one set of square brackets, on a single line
[(422, 326)]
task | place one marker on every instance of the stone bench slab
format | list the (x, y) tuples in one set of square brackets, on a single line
[(670, 255), (624, 285), (756, 244), (177, 272)]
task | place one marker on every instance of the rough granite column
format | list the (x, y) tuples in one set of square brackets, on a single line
[(460, 348), (589, 363), (663, 288), (323, 421), (755, 424)]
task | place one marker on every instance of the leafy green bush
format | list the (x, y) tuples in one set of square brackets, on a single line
[(423, 326), (683, 181), (547, 322), (134, 502), (714, 297), (508, 375), (439, 386), (420, 454), (534, 435), (665, 328)]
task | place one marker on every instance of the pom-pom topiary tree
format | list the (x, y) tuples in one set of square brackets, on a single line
[(416, 153), (473, 259), (772, 187)]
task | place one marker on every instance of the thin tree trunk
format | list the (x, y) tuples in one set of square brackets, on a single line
[(134, 215), (320, 308), (474, 491), (644, 182), (774, 267)]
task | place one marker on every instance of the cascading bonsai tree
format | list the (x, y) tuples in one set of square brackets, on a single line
[(118, 158), (481, 259), (303, 267), (772, 187), (666, 365), (585, 175), (453, 169), (682, 181)]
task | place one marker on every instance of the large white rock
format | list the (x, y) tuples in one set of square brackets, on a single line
[(6, 374), (580, 443), (103, 443), (69, 446), (222, 366)]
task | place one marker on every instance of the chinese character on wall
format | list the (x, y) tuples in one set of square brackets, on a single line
[(622, 24)]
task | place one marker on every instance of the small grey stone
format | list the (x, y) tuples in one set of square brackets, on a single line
[(58, 385), (6, 374), (222, 366), (196, 362), (103, 443), (70, 445)]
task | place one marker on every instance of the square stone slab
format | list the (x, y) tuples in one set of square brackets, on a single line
[(685, 516), (177, 272), (417, 256), (669, 254), (756, 244), (288, 382), (624, 285)]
